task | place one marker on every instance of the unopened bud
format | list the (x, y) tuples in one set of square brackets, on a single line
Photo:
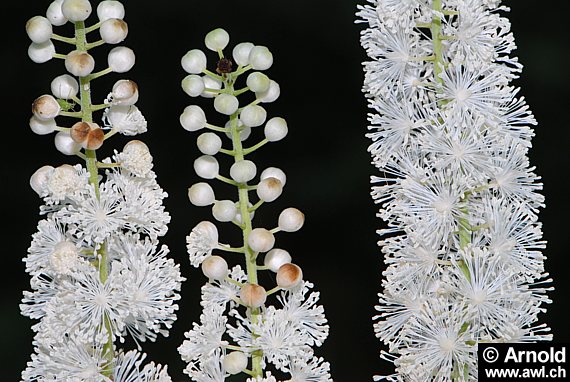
[(253, 295), (215, 267), (261, 240), (125, 92), (114, 31), (46, 107), (269, 189), (275, 258), (291, 220), (76, 10), (289, 275), (79, 63)]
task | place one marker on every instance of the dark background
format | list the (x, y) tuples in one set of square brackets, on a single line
[(318, 65)]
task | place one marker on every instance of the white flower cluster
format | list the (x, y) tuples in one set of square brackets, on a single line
[(97, 271), (239, 332), (451, 137)]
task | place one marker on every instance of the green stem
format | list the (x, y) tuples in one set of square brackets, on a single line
[(250, 256), (68, 40), (253, 148), (437, 42), (464, 227), (91, 163)]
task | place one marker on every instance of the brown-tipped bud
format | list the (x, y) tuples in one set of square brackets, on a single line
[(289, 275), (46, 107), (113, 31), (80, 131), (94, 140), (125, 92), (253, 295), (79, 63)]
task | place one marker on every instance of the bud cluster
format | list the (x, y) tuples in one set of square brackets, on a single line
[(239, 331), (97, 271)]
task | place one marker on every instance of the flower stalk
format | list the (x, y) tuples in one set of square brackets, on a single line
[(97, 272), (240, 331), (463, 242)]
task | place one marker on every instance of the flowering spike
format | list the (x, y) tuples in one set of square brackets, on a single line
[(97, 271), (462, 243), (240, 332)]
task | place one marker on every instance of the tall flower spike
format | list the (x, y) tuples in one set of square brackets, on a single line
[(240, 332), (451, 137), (97, 271)]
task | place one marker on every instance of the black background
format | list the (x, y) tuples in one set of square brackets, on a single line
[(318, 65)]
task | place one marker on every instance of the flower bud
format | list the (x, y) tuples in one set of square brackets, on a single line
[(217, 39), (80, 131), (274, 172), (40, 53), (110, 9), (238, 219), (275, 129), (261, 240), (125, 92), (269, 189), (241, 53), (39, 179), (289, 275), (210, 83), (271, 94), (243, 171), (215, 268), (201, 194), (193, 118), (253, 295), (121, 59), (76, 10), (39, 29), (275, 258), (226, 104), (253, 115), (65, 145), (291, 220), (79, 63), (42, 126), (224, 210), (95, 139), (194, 62), (235, 362), (88, 134), (206, 167), (55, 15), (209, 143), (46, 107), (64, 87), (193, 85), (114, 31), (260, 58), (258, 82), (244, 131)]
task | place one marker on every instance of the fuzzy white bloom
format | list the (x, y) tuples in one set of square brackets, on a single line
[(450, 137), (98, 273), (241, 331)]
